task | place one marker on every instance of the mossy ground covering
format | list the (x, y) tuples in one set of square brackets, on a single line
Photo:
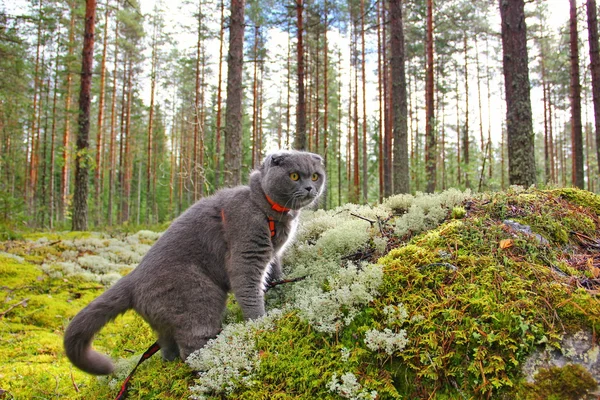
[(34, 311), (481, 297)]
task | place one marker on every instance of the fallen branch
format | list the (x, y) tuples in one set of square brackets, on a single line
[(284, 281), (363, 218), (21, 303)]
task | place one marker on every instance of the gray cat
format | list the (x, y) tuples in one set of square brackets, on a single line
[(231, 241)]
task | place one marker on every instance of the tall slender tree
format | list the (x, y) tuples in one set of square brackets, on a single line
[(233, 114), (577, 177), (82, 157), (300, 137), (399, 100), (430, 141), (520, 136), (592, 18), (98, 175), (66, 163)]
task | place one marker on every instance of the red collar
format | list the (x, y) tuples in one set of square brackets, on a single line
[(277, 207)]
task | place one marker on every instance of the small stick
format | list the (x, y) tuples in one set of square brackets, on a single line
[(73, 381), (21, 303), (283, 281), (363, 218)]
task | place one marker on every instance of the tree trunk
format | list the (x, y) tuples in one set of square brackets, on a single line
[(30, 187), (388, 189), (355, 145), (577, 177), (399, 103), (300, 139), (365, 164), (520, 136), (64, 179), (380, 79), (255, 100), (233, 115), (326, 101), (100, 129), (82, 156), (466, 137), (127, 159), (430, 151), (113, 129), (217, 157), (52, 143), (592, 18), (195, 164), (150, 200)]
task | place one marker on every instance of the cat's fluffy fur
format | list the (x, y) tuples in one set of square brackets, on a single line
[(222, 243)]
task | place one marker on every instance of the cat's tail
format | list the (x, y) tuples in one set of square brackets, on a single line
[(81, 330)]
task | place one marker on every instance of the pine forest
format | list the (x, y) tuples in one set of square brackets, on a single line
[(119, 112)]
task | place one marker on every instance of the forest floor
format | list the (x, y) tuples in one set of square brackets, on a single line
[(471, 289)]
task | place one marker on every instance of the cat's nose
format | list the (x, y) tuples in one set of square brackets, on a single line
[(308, 189)]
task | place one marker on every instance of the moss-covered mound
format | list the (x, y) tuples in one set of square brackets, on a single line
[(429, 296)]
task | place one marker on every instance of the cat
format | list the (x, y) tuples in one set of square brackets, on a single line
[(231, 241)]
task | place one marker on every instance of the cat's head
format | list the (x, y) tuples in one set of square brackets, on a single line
[(293, 179)]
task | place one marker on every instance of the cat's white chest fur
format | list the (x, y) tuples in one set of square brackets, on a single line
[(284, 246)]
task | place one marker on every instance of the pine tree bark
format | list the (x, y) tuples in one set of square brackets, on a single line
[(113, 128), (217, 156), (430, 151), (150, 199), (65, 173), (195, 165), (300, 137), (592, 18), (233, 114), (255, 100), (52, 143), (82, 156), (466, 145), (399, 100), (520, 136), (387, 111), (127, 138), (380, 78), (100, 126), (577, 177), (30, 187), (326, 100), (365, 165)]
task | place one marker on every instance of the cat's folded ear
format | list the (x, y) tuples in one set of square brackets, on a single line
[(274, 159), (317, 157)]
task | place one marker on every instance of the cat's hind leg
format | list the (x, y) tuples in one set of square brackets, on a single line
[(168, 347), (203, 319)]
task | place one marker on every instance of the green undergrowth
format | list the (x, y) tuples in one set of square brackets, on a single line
[(480, 298), (424, 297)]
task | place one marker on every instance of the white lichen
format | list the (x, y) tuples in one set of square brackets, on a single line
[(387, 340), (348, 387)]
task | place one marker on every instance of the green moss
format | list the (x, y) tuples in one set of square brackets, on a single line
[(14, 273), (480, 299), (479, 309), (571, 382), (458, 212), (580, 197)]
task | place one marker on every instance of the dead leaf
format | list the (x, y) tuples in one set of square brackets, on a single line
[(506, 243)]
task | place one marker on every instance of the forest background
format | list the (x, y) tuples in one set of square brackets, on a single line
[(317, 75)]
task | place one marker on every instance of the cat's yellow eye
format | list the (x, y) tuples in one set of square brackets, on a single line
[(294, 176), (315, 177)]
